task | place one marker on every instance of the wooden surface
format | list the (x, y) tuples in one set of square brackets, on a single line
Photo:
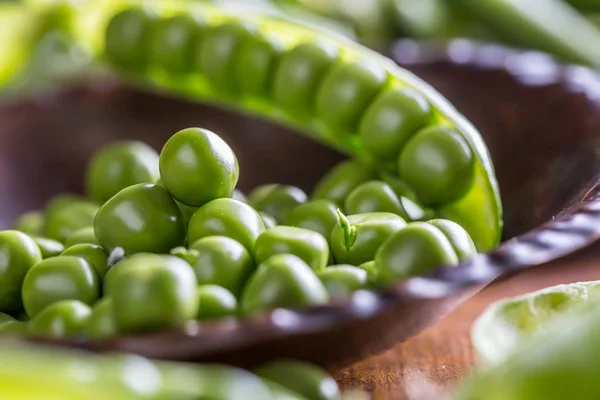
[(428, 365)]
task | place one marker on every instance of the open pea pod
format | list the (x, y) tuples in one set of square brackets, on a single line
[(507, 323)]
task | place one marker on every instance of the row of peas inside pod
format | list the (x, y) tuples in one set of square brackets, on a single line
[(162, 240)]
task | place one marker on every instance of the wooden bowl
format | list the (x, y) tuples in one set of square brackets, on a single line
[(540, 120)]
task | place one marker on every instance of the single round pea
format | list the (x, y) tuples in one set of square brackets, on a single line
[(413, 251), (83, 235), (173, 41), (308, 245), (226, 217), (347, 90), (438, 163), (69, 218), (120, 165), (5, 317), (276, 200), (216, 57), (317, 215), (303, 378), (151, 292), (13, 328), (341, 180), (391, 119), (222, 261), (59, 278), (101, 322), (239, 196), (268, 220), (140, 218), (31, 223), (18, 253), (459, 238), (92, 253), (283, 280), (125, 42), (197, 166), (342, 280), (48, 247), (374, 196), (255, 63), (356, 238), (60, 320), (299, 73), (215, 302)]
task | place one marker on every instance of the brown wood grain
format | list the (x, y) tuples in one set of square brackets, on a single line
[(429, 364)]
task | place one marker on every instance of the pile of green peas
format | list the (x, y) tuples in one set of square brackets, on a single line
[(164, 239)]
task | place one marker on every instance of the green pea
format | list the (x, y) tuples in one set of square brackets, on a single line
[(216, 58), (59, 278), (459, 238), (276, 200), (61, 201), (18, 253), (303, 378), (317, 215), (374, 196), (391, 119), (83, 235), (151, 292), (308, 245), (63, 319), (125, 37), (342, 280), (282, 281), (13, 328), (255, 63), (413, 251), (92, 253), (197, 166), (101, 322), (299, 73), (338, 183), (215, 302), (268, 220), (189, 255), (356, 238), (368, 266), (173, 41), (239, 196), (186, 211), (347, 90), (222, 261), (120, 165), (226, 217), (69, 218), (140, 218), (281, 393), (439, 164), (31, 223), (48, 247), (5, 317)]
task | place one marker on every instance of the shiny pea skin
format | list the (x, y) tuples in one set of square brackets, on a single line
[(276, 200), (317, 215), (101, 322), (215, 302), (13, 328), (59, 278), (68, 219), (226, 217), (284, 280), (342, 280), (374, 196), (393, 117), (31, 223), (299, 73), (268, 220), (83, 235), (256, 60), (413, 251), (197, 166), (308, 245), (239, 196), (222, 261), (438, 164), (140, 218), (153, 292), (93, 254), (303, 378), (63, 319), (347, 90), (125, 37), (18, 254), (341, 180), (120, 165), (459, 238), (48, 247)]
